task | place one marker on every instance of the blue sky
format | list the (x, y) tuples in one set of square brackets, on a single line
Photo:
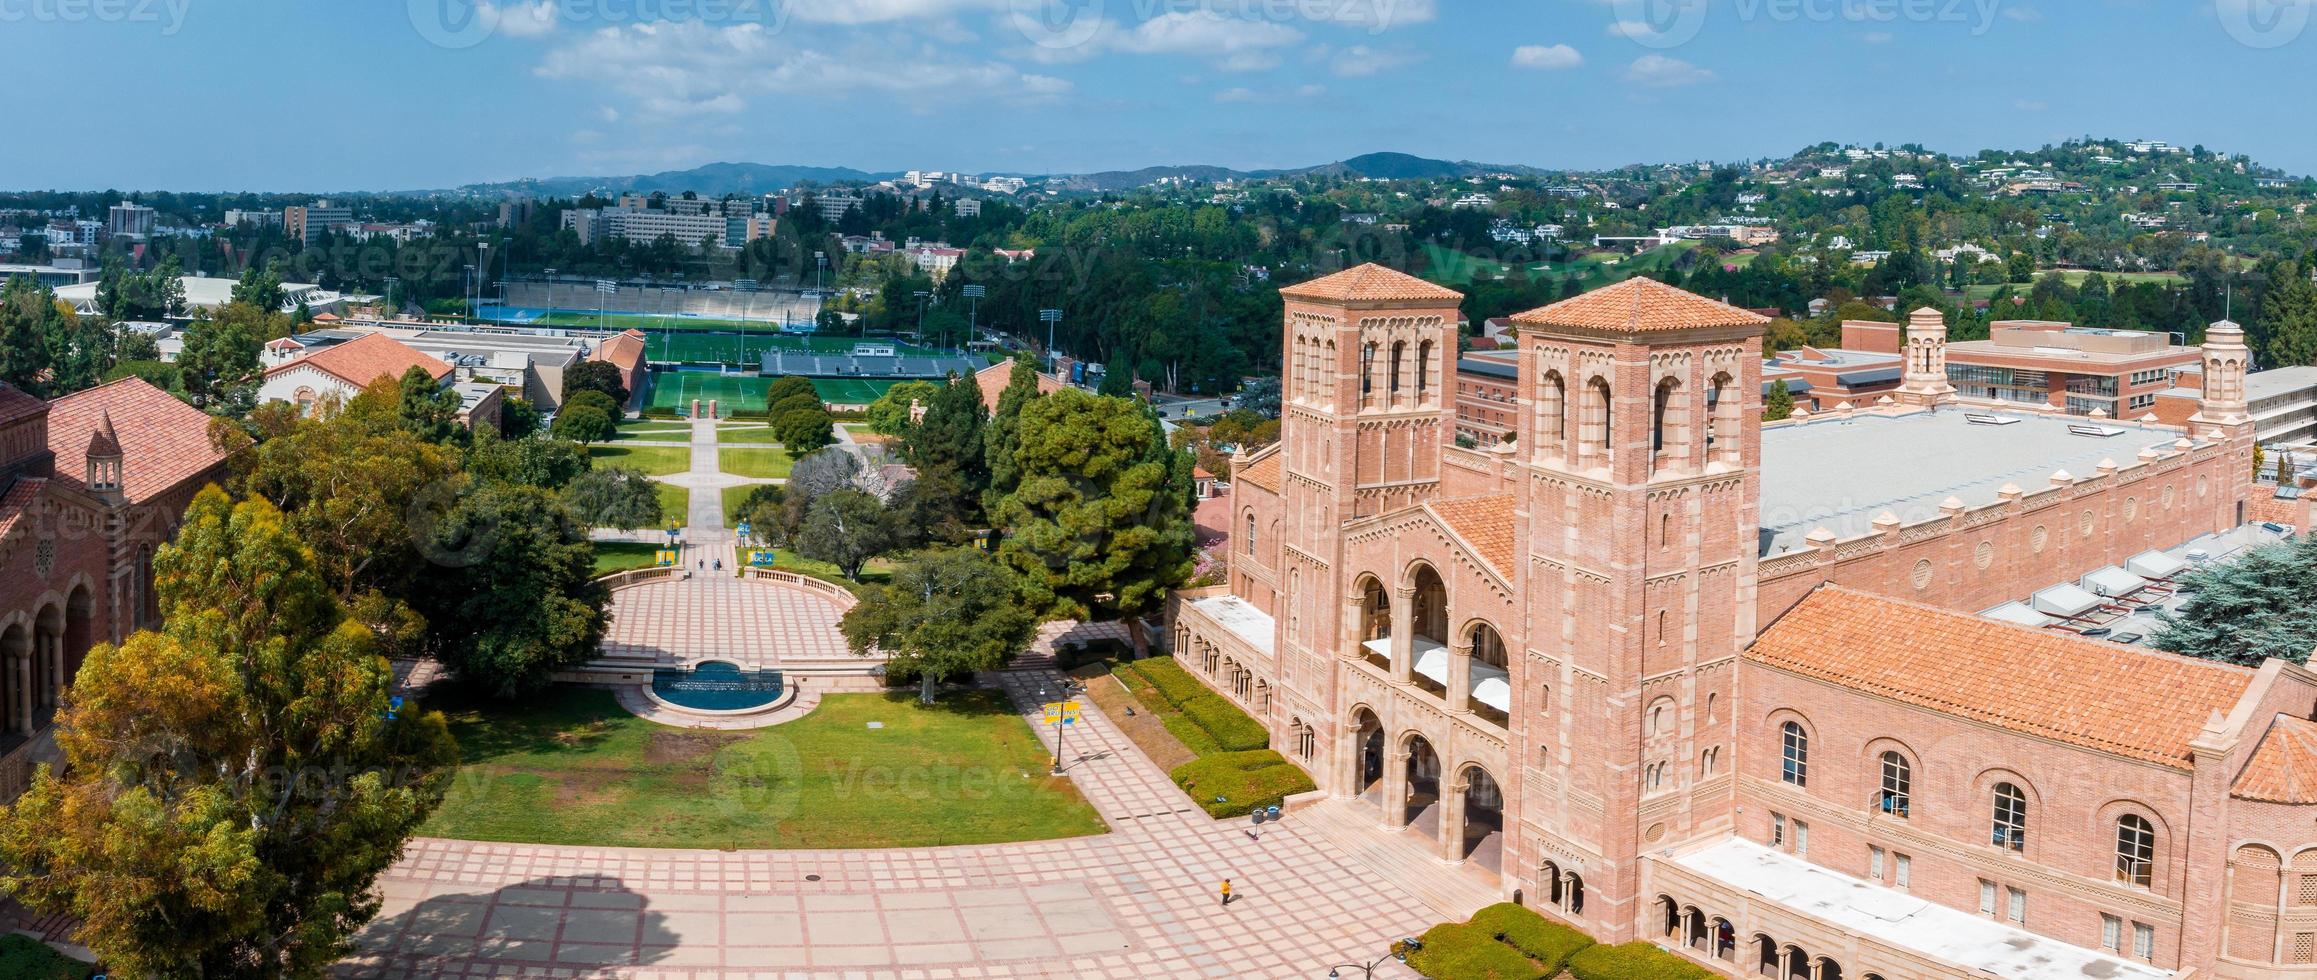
[(326, 95)]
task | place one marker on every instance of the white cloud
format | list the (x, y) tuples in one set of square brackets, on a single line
[(1659, 71), (1361, 61), (1546, 57), (856, 12), (689, 68), (1235, 95), (521, 18)]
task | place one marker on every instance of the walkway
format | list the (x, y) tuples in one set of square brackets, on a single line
[(1137, 902)]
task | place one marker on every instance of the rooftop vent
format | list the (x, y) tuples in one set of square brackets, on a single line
[(1977, 419), (2095, 431)]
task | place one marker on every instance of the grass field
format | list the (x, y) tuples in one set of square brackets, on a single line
[(877, 572), (654, 431), (675, 505), (732, 498), (747, 435), (850, 391), (620, 556), (569, 766), (675, 390), (653, 460), (759, 464)]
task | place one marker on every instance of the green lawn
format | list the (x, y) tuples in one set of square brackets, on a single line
[(569, 766), (747, 435), (732, 498), (675, 505), (655, 430), (653, 460), (878, 571), (621, 556), (759, 464)]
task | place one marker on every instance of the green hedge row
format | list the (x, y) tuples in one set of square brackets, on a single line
[(1461, 952), (1549, 943), (1173, 682), (1226, 728), (1634, 961), (1232, 729), (1508, 942), (1234, 784)]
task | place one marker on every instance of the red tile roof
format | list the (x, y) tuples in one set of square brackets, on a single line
[(367, 358), (16, 404), (1638, 305), (163, 442), (1485, 523), (16, 500), (1371, 283), (993, 380), (1263, 472), (624, 350), (2138, 704), (2284, 768)]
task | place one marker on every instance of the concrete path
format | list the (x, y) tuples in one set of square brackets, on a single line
[(1137, 902)]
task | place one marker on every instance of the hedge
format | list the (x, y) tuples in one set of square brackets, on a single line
[(1232, 729), (1633, 961), (1189, 733), (1463, 952), (25, 958), (1242, 780), (1549, 943), (1173, 682)]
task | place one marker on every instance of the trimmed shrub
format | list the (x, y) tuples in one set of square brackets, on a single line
[(1231, 727), (1464, 952), (1633, 961), (1173, 682), (1549, 943), (1243, 781), (1189, 733)]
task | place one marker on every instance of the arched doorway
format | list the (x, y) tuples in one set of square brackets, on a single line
[(1564, 890), (1481, 839), (80, 619), (1367, 756), (1428, 623), (1421, 808), (47, 662), (1490, 697), (15, 653)]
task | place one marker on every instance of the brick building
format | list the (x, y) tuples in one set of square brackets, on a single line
[(90, 485), (1675, 675), (2080, 370)]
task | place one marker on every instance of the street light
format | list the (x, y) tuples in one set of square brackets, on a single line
[(921, 295), (1399, 952), (1051, 317), (974, 323), (1062, 719)]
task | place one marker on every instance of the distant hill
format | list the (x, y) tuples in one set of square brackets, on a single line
[(719, 179)]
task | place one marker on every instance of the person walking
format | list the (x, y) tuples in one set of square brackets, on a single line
[(1226, 893)]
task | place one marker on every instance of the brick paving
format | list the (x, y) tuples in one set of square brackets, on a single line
[(1139, 901), (752, 622)]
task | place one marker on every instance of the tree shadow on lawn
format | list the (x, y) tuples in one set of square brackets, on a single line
[(965, 703), (579, 926), (556, 719)]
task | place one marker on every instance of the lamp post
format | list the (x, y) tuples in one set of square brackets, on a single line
[(1062, 719), (1051, 317), (1399, 953), (973, 295), (482, 275), (921, 295)]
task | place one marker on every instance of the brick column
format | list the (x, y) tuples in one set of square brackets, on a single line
[(1403, 635), (20, 670), (1459, 677), (1450, 836), (1395, 798)]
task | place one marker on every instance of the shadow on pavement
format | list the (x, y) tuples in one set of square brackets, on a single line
[(576, 927)]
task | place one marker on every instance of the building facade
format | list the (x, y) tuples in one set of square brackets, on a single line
[(91, 485), (2082, 371), (1668, 694)]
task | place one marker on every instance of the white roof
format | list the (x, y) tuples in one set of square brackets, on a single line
[(1902, 921), (2156, 565), (2065, 600), (1240, 617), (2018, 612), (2112, 581)]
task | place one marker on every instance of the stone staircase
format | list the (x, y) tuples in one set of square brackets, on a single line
[(1406, 859)]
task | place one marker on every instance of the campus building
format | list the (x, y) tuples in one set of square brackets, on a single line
[(90, 485), (2080, 370), (1673, 674)]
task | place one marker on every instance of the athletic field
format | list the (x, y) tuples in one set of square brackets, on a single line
[(674, 391)]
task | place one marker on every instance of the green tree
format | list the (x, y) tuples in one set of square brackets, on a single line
[(2021, 267), (235, 784), (586, 425), (789, 385), (28, 322), (2251, 609), (261, 289), (1099, 527), (511, 590), (1117, 382), (549, 464), (889, 414), (602, 377), (429, 410), (590, 398), (846, 528), (1002, 438), (805, 430), (519, 419), (1778, 406), (2288, 327), (614, 496), (949, 440), (220, 363), (946, 612)]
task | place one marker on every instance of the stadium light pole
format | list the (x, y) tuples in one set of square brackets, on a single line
[(482, 272), (921, 295), (973, 295), (1051, 317)]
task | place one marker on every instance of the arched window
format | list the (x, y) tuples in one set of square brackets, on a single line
[(2135, 850), (1794, 753), (1896, 797), (1669, 425), (2010, 823), (1392, 370), (1367, 371), (1552, 415), (1706, 761), (1250, 532), (1594, 425), (1423, 368), (1725, 421)]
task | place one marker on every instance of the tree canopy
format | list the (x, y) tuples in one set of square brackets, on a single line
[(2251, 609), (944, 613)]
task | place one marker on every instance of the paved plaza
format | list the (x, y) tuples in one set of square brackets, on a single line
[(1139, 901), (752, 622)]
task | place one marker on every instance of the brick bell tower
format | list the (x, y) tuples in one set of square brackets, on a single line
[(1366, 406), (1641, 437)]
